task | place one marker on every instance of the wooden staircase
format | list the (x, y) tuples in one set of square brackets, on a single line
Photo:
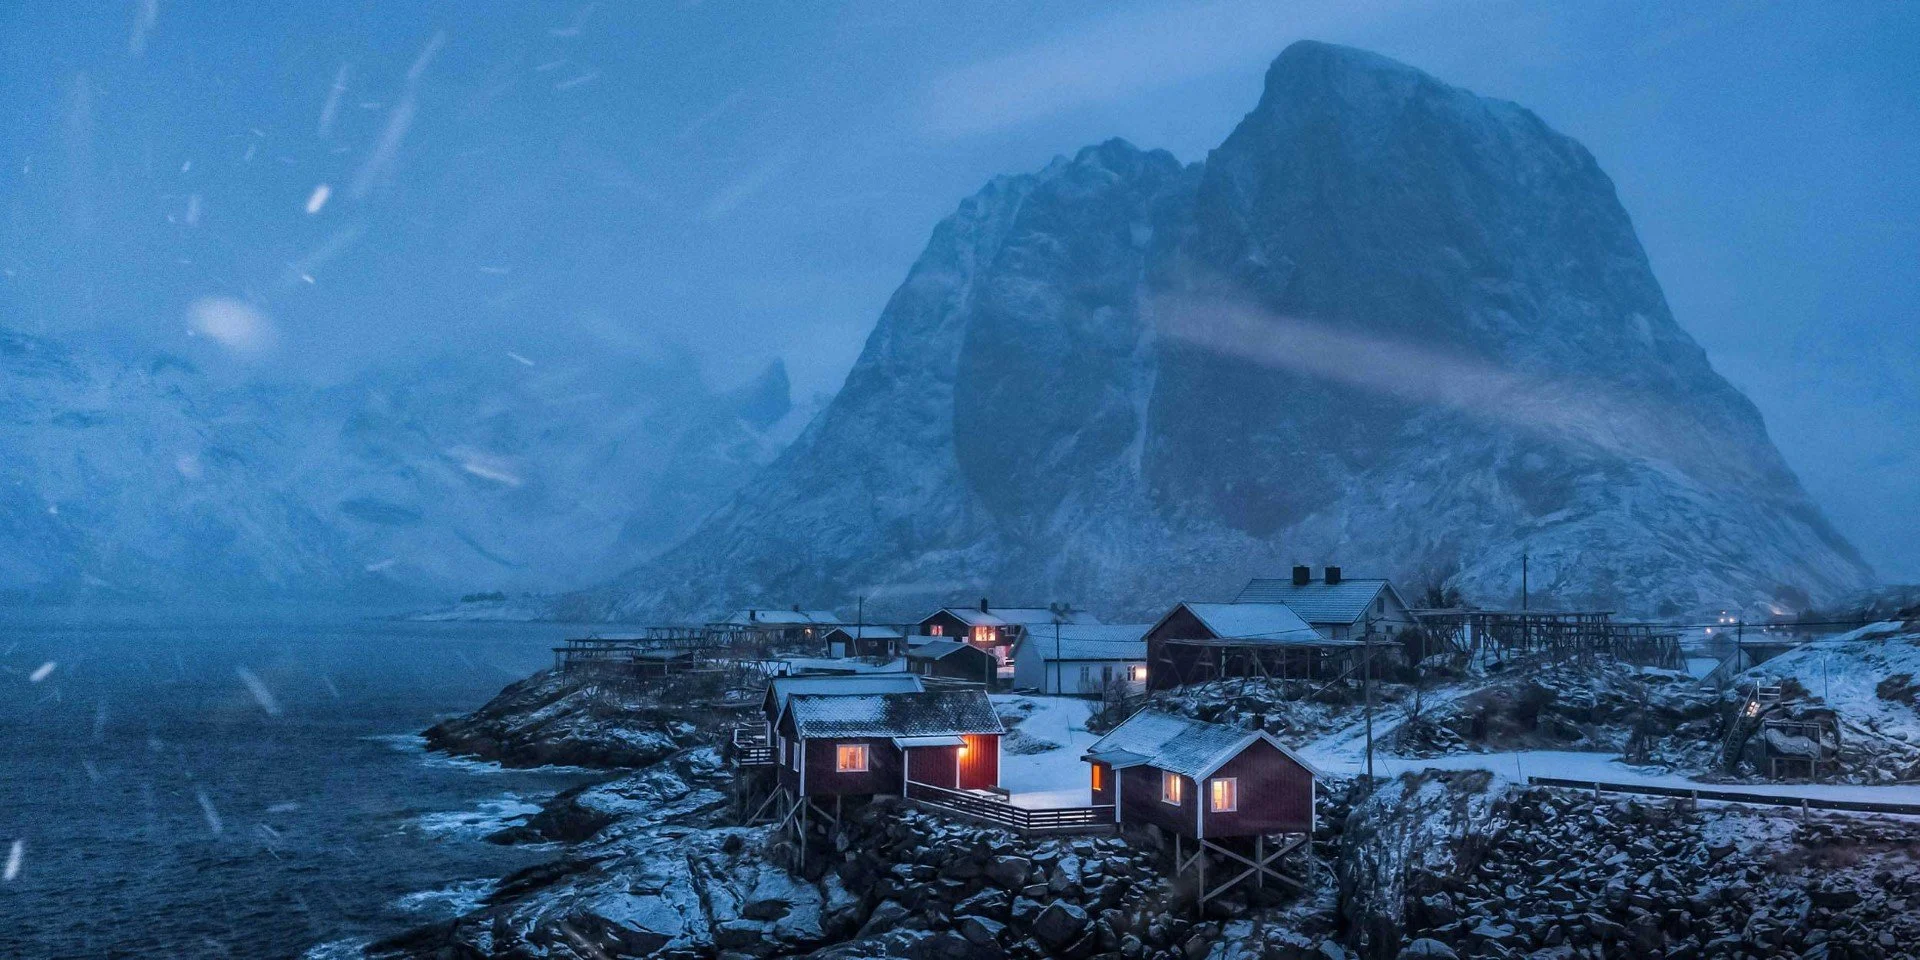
[(1760, 697)]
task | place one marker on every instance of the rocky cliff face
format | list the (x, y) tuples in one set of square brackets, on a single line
[(143, 483), (1388, 324)]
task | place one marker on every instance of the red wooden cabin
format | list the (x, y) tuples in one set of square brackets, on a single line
[(1226, 789), (860, 745)]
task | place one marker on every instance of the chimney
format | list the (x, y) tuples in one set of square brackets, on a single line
[(983, 604), (1333, 576), (1302, 575)]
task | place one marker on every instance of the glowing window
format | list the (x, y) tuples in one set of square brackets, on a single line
[(1138, 674), (936, 630), (1096, 777), (1223, 795), (1169, 787), (850, 758)]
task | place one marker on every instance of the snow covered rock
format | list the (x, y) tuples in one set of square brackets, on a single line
[(1387, 323)]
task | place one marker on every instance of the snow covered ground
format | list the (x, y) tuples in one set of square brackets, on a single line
[(1036, 775)]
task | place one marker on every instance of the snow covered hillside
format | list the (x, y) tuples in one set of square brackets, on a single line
[(1387, 323), (156, 482)]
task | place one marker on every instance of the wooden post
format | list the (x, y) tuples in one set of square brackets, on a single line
[(1260, 855)]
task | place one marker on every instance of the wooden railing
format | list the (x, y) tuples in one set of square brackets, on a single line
[(750, 746), (999, 812), (1730, 796)]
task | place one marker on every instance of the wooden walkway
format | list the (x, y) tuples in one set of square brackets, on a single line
[(1731, 796)]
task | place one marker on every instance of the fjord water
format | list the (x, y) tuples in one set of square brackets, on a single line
[(247, 790)]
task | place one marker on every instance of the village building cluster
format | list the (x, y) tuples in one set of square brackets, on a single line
[(856, 710)]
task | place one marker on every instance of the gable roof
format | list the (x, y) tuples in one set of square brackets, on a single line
[(782, 688), (1010, 616), (1102, 641), (776, 617), (940, 713), (1319, 602), (1182, 745), (941, 649), (869, 631), (1268, 623)]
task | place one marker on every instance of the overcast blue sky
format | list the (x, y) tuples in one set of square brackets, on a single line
[(752, 179)]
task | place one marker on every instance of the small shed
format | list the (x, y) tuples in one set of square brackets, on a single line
[(861, 745), (780, 689), (866, 640), (1083, 660), (1224, 789), (953, 660)]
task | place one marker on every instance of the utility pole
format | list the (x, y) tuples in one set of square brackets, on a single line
[(1056, 652), (1523, 581), (1366, 685)]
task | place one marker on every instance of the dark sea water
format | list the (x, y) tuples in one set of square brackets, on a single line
[(248, 790)]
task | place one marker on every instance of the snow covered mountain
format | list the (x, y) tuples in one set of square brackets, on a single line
[(1388, 324), (131, 483)]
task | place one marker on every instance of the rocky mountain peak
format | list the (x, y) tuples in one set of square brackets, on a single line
[(1388, 323)]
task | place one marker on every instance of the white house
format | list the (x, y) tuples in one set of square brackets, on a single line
[(1338, 608), (1083, 659)]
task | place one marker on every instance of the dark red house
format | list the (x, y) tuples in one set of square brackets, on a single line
[(997, 629), (1224, 788), (866, 640), (953, 660), (860, 745)]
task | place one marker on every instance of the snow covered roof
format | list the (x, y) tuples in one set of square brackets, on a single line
[(1319, 602), (1274, 623), (869, 632), (938, 649), (866, 683), (943, 713), (1182, 745), (758, 616), (1012, 616), (1101, 641)]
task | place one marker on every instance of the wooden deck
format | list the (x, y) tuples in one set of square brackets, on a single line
[(1000, 813), (750, 747)]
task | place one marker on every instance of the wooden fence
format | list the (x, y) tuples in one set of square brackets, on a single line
[(999, 812), (1730, 796)]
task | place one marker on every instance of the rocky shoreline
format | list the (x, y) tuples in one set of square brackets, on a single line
[(653, 863)]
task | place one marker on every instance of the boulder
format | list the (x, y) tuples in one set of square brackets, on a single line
[(1061, 923)]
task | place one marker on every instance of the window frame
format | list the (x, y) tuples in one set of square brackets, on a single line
[(1096, 783), (1137, 673), (840, 758), (1232, 785), (1171, 788)]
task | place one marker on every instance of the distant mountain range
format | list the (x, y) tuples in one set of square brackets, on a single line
[(1388, 324), (418, 482)]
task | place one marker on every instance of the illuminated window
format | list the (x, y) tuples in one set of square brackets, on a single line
[(1223, 795), (850, 758), (1170, 787), (1096, 778), (936, 630), (1138, 674), (983, 635)]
